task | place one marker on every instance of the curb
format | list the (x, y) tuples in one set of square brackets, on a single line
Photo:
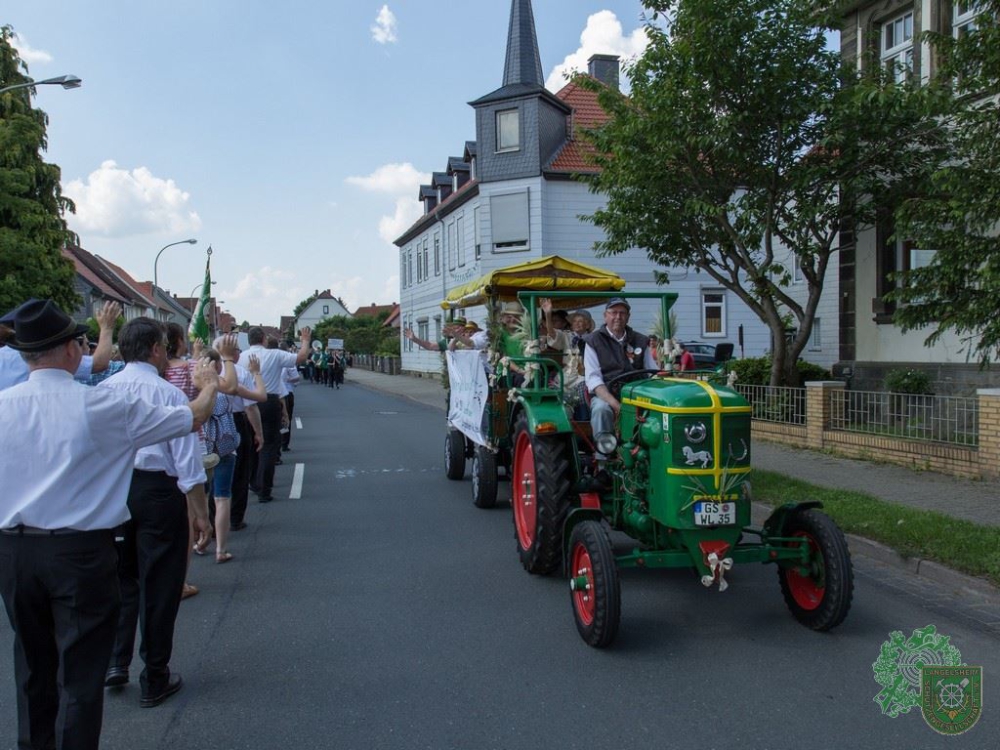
[(958, 583)]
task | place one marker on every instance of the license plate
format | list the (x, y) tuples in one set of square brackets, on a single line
[(714, 514)]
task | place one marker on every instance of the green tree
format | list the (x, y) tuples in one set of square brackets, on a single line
[(32, 228), (743, 144), (958, 213)]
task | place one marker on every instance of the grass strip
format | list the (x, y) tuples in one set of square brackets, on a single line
[(958, 544)]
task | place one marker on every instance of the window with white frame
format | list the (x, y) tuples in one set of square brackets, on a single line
[(402, 269), (326, 309), (508, 130), (477, 229), (460, 233), (510, 221), (423, 329), (437, 253), (964, 17), (427, 267), (797, 276), (437, 327), (420, 268), (897, 46), (451, 249), (713, 314), (409, 267)]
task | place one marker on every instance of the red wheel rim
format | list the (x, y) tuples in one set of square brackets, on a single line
[(525, 491), (583, 600), (805, 590)]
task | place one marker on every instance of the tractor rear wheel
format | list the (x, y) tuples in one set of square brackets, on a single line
[(595, 590), (818, 594), (539, 493), (454, 454), (484, 477)]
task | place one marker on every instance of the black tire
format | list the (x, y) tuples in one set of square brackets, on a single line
[(454, 454), (539, 494), (821, 599), (595, 590), (484, 477)]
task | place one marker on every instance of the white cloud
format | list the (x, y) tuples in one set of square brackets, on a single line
[(603, 35), (27, 53), (351, 291), (115, 202), (401, 181), (384, 28), (269, 292), (394, 179)]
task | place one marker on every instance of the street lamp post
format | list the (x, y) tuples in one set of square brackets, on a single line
[(67, 82), (179, 242)]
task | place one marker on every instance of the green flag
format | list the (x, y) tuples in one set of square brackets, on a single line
[(199, 323)]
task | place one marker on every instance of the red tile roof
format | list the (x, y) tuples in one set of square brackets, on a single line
[(373, 310), (146, 296), (393, 319), (92, 278), (577, 155)]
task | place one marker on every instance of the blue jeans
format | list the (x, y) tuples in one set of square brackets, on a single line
[(223, 480)]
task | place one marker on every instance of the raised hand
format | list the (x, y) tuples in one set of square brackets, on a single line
[(228, 346), (107, 316), (204, 374), (253, 364)]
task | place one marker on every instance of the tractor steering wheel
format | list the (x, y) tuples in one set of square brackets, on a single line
[(615, 384)]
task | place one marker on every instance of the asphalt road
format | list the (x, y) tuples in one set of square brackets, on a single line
[(383, 610)]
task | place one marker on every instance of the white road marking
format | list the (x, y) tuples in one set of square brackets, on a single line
[(298, 423), (296, 493), (354, 473)]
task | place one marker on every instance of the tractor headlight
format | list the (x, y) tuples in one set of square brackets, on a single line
[(606, 443)]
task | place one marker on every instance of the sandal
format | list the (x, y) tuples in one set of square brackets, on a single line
[(199, 549), (189, 590), (223, 557)]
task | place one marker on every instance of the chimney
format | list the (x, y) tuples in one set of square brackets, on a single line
[(605, 69)]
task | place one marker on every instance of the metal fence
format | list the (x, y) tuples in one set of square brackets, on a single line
[(944, 419), (776, 403)]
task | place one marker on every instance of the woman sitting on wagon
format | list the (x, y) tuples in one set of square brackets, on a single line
[(570, 343)]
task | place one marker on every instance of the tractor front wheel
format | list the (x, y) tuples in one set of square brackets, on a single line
[(539, 493), (818, 593), (484, 477), (454, 454), (595, 590)]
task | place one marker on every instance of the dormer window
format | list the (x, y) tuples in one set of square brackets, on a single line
[(897, 46), (508, 130)]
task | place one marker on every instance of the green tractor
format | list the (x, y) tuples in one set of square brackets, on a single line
[(675, 483)]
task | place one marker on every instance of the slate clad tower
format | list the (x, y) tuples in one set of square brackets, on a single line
[(521, 125)]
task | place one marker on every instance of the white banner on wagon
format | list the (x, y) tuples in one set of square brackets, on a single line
[(470, 390)]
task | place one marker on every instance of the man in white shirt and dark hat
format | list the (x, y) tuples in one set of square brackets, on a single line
[(66, 463)]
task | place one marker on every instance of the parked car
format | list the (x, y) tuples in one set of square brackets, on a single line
[(707, 356)]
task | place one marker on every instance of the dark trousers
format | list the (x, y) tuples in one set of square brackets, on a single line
[(246, 467), (270, 421), (290, 408), (152, 561), (61, 596)]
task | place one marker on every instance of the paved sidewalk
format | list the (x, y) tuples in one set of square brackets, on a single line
[(978, 502)]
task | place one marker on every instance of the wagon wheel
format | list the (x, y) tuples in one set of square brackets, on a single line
[(540, 484), (484, 477), (820, 596), (595, 590), (454, 454)]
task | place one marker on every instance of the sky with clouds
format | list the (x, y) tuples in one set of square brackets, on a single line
[(292, 139)]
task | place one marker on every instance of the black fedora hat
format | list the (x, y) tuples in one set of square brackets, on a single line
[(39, 325)]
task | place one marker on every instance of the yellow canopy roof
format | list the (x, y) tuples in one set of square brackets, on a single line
[(549, 274)]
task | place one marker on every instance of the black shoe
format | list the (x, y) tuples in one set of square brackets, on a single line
[(265, 499), (279, 462), (116, 676), (238, 526), (173, 684)]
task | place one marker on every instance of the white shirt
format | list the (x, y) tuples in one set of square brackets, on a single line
[(592, 363), (180, 457), (291, 378), (66, 451), (14, 370), (245, 379), (272, 362)]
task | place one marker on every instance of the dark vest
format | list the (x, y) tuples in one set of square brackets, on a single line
[(612, 355)]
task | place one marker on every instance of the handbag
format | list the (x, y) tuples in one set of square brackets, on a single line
[(221, 436)]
